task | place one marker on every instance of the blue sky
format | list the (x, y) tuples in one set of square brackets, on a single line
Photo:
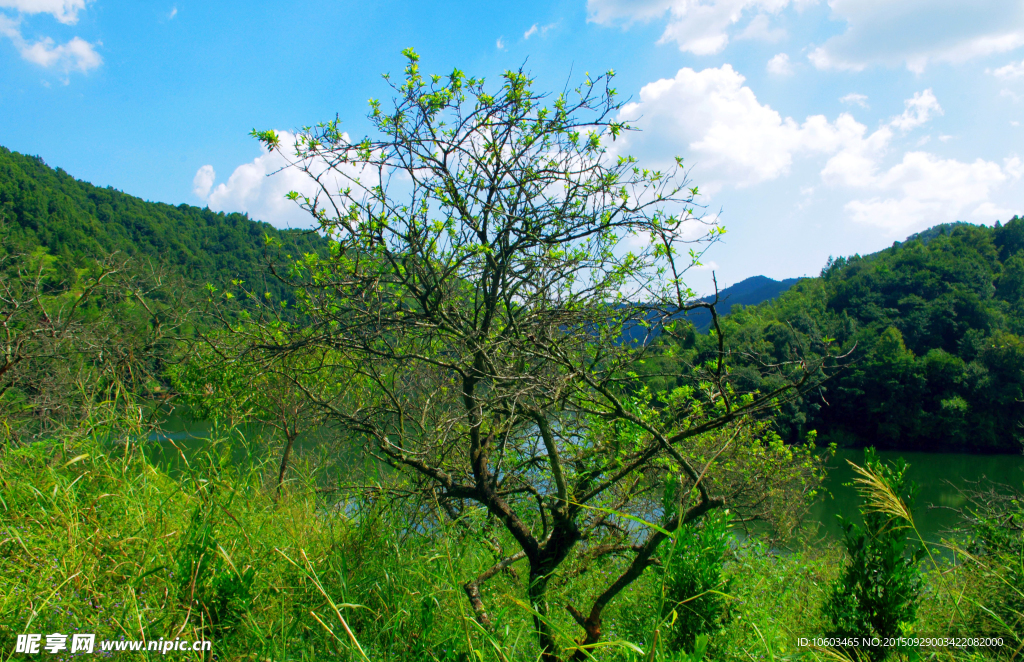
[(814, 128)]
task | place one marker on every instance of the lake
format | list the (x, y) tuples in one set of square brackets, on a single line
[(940, 476)]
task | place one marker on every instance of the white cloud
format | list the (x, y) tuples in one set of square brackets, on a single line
[(918, 111), (916, 33), (759, 29), (535, 29), (698, 26), (856, 161), (921, 190), (711, 118), (859, 99), (75, 55), (65, 11), (173, 13), (500, 44), (780, 65), (1014, 167), (1011, 70), (913, 33), (260, 186), (203, 181), (924, 189), (716, 122)]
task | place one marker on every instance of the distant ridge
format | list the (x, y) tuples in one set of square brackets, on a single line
[(748, 292), (42, 208)]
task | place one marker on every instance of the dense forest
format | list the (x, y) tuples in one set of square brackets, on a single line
[(932, 325), (75, 222), (933, 331)]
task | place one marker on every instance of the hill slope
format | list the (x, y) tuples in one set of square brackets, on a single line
[(935, 327), (748, 292), (41, 207)]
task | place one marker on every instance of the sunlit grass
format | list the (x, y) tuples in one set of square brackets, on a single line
[(92, 538)]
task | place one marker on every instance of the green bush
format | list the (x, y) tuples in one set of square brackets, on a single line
[(696, 593), (878, 592)]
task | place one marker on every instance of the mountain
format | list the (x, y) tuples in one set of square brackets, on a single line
[(748, 292), (47, 209), (933, 329)]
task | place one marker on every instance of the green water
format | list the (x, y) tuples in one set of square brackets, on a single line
[(940, 477)]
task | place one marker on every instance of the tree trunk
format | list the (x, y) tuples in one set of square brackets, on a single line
[(538, 600), (290, 440)]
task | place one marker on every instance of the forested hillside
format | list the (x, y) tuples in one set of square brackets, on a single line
[(75, 221), (934, 328)]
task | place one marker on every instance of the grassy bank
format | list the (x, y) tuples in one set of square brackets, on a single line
[(97, 539)]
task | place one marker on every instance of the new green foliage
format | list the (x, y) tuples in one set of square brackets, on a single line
[(878, 593), (696, 592)]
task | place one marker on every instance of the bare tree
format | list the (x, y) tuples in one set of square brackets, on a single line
[(497, 273), (68, 342)]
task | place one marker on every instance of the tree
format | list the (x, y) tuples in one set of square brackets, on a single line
[(71, 338), (217, 380), (489, 252)]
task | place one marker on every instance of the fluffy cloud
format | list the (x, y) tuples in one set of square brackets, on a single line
[(698, 26), (65, 11), (712, 118), (1010, 71), (203, 181), (918, 111), (716, 122), (780, 65), (924, 189), (75, 55), (912, 33), (915, 33), (260, 186), (859, 99)]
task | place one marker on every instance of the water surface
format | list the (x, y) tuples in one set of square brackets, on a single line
[(941, 478)]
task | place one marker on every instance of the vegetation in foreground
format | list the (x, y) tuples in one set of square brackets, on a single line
[(98, 538)]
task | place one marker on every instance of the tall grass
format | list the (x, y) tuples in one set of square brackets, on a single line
[(96, 538)]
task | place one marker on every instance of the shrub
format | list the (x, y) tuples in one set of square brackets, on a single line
[(694, 587), (878, 591)]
